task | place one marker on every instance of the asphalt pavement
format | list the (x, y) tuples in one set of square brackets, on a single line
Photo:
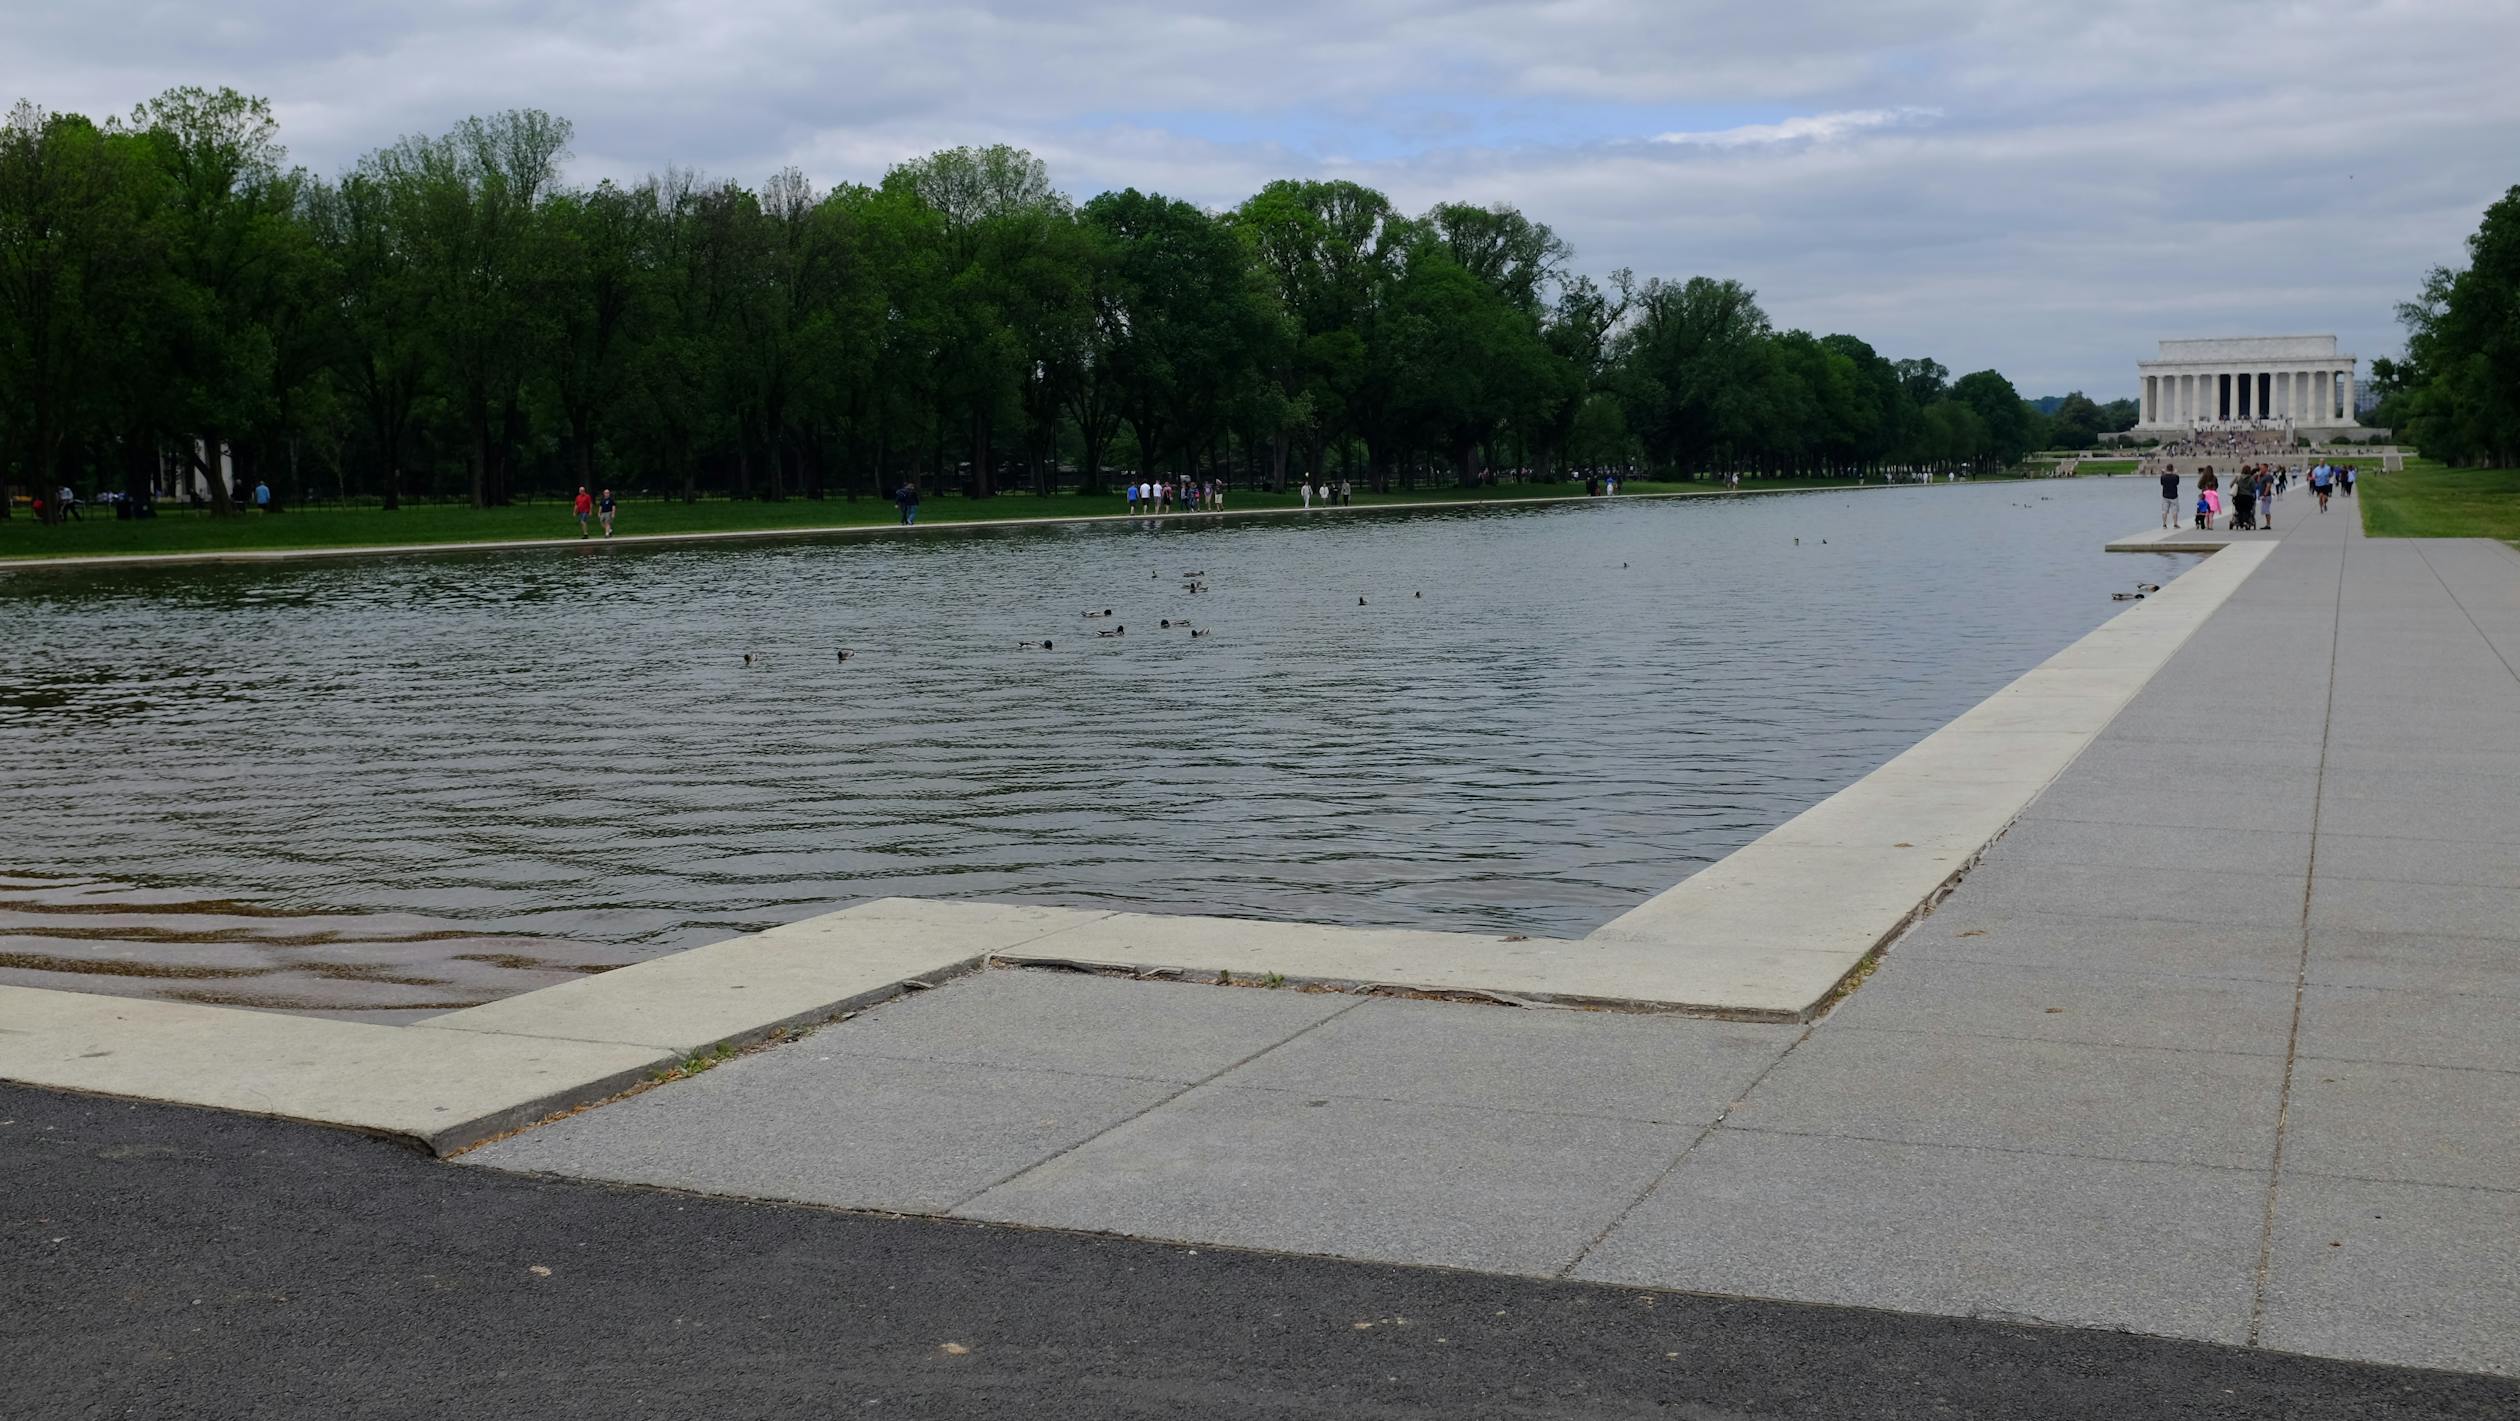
[(163, 1262)]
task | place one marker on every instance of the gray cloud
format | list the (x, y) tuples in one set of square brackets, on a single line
[(2043, 188)]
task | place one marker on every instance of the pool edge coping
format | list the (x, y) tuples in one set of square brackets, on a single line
[(1771, 932), (250, 556)]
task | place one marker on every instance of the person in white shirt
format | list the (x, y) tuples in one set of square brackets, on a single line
[(1308, 493)]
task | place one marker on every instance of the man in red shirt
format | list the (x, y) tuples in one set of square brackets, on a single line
[(585, 509)]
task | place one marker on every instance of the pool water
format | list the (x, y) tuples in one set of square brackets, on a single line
[(407, 784)]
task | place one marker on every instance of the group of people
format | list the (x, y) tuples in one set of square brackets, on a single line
[(1175, 495), (2242, 443), (2249, 500), (1340, 493), (588, 507)]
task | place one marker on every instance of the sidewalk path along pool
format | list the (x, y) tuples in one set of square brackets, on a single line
[(2219, 1042), (160, 1262)]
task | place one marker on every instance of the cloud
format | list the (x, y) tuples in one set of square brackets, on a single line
[(1807, 128), (2047, 189)]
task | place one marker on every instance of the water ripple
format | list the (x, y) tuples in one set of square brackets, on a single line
[(1585, 704)]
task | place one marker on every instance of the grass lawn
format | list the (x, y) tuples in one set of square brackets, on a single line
[(182, 530), (2429, 501)]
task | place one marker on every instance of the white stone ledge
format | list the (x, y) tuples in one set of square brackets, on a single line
[(438, 1089), (1769, 932)]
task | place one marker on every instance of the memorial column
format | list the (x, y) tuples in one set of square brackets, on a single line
[(2348, 416)]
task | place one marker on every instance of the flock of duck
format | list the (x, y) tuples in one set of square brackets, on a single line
[(1195, 582)]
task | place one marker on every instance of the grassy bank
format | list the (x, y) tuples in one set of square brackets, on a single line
[(2429, 501), (184, 530)]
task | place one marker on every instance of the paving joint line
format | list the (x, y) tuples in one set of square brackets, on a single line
[(2326, 1059), (1135, 1116), (2447, 591), (2020, 1150), (2054, 1041), (1468, 1107), (2263, 1274), (1686, 1150)]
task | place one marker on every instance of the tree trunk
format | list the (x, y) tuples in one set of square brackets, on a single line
[(983, 479), (213, 475)]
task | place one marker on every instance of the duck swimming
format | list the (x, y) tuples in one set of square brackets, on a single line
[(845, 654), (1105, 612), (1115, 631)]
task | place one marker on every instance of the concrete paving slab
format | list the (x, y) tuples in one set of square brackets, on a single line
[(2199, 891), (2169, 759), (1509, 1192), (2164, 1249), (2414, 1274), (2226, 802), (2481, 967), (1082, 1025), (2072, 1004), (2430, 909), (2452, 861), (2197, 1106), (2413, 1124), (1673, 1069), (1960, 932), (796, 974), (2414, 1027), (2078, 842), (2189, 716), (438, 1089), (804, 1124)]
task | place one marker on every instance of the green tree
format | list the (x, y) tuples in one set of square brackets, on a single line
[(2461, 376)]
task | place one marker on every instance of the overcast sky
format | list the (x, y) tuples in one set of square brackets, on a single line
[(2044, 186)]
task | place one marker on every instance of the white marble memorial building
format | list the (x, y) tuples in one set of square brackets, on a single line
[(2301, 381)]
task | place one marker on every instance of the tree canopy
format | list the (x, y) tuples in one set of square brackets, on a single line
[(451, 317), (2456, 396)]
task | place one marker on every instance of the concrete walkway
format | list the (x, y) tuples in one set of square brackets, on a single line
[(2217, 1043)]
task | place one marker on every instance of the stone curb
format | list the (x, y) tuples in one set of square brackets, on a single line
[(1771, 932), (840, 530)]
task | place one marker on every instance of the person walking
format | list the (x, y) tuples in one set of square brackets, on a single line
[(604, 511), (1129, 492), (1347, 492), (2170, 497), (2319, 480), (1308, 493), (906, 498), (262, 496), (584, 508)]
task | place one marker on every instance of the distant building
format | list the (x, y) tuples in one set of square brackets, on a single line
[(2303, 382)]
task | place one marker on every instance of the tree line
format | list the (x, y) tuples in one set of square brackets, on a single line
[(2456, 395), (452, 318)]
